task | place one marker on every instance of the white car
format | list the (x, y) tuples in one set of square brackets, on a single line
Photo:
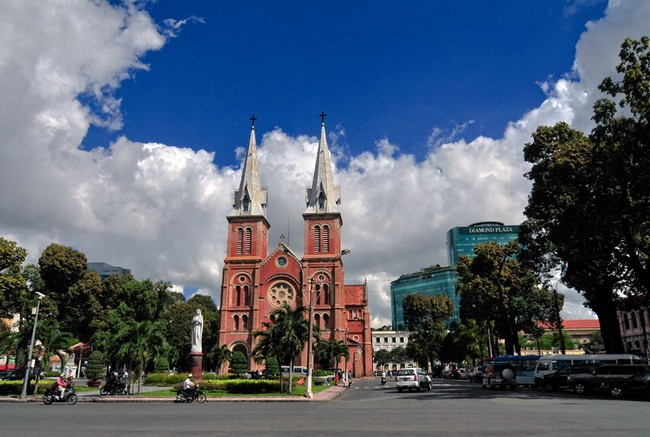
[(412, 378)]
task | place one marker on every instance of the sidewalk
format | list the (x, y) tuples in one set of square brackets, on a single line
[(326, 395)]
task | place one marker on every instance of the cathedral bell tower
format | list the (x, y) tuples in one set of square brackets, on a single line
[(322, 264), (247, 247)]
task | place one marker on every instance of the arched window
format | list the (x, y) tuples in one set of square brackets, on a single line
[(316, 238), (635, 323), (327, 298), (237, 295), (249, 239), (626, 321), (317, 320), (319, 294), (326, 239), (240, 241), (247, 295), (326, 321), (244, 322), (246, 202), (236, 319)]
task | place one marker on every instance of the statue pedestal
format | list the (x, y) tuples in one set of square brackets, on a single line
[(196, 365)]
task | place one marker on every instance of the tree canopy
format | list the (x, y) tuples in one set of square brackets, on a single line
[(590, 202), (499, 291)]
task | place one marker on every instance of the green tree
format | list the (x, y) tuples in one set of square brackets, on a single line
[(425, 318), (54, 341), (589, 204), (141, 343), (219, 355), (283, 338), (381, 357), (495, 288), (96, 366), (238, 363), (463, 342), (272, 367), (13, 286), (331, 354), (61, 267), (84, 311)]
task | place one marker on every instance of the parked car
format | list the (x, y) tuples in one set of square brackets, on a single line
[(499, 375), (638, 382), (412, 378), (610, 377), (14, 375), (559, 379)]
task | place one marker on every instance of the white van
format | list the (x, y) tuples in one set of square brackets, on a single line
[(551, 363)]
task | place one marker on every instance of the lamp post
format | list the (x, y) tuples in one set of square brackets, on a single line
[(310, 352), (23, 395), (559, 319)]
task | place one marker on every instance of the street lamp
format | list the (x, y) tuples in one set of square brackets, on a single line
[(310, 352), (23, 395)]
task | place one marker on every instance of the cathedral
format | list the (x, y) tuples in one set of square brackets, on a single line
[(257, 280)]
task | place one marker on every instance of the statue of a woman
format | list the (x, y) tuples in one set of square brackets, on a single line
[(197, 331)]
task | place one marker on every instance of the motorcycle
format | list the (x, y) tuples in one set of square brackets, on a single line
[(52, 394), (115, 385), (383, 380), (191, 395)]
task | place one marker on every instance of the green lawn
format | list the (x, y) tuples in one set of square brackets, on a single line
[(296, 391)]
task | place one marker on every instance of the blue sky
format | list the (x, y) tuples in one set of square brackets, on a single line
[(122, 124), (380, 69)]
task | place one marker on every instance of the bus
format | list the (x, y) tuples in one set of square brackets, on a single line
[(523, 367), (552, 363)]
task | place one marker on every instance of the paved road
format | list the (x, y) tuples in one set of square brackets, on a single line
[(453, 408)]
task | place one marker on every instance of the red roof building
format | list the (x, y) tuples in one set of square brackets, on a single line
[(256, 282)]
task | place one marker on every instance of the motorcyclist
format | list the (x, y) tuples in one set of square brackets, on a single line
[(62, 384), (188, 385), (383, 377)]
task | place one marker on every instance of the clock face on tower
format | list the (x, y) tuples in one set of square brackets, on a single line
[(281, 293)]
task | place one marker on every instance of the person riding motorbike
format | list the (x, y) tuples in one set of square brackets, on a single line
[(188, 385), (383, 377), (62, 384)]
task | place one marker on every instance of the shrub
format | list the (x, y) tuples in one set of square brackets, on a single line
[(162, 364), (96, 366), (238, 363), (272, 367)]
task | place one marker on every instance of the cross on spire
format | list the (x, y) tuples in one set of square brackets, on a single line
[(322, 117), (252, 119)]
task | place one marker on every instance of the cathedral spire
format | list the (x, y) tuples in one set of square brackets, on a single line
[(250, 199), (323, 196)]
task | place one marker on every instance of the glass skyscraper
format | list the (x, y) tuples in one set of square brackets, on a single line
[(431, 281), (436, 280), (462, 240)]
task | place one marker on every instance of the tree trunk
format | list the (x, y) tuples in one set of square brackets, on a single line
[(605, 309)]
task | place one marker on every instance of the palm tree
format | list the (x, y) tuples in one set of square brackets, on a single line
[(337, 349), (284, 339), (294, 330), (219, 355), (269, 345), (141, 343)]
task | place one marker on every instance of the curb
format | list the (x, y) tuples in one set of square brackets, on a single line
[(324, 396)]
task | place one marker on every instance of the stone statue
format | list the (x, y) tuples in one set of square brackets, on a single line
[(197, 331)]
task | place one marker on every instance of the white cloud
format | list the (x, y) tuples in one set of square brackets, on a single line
[(160, 210)]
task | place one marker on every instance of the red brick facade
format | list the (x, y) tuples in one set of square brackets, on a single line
[(256, 282)]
